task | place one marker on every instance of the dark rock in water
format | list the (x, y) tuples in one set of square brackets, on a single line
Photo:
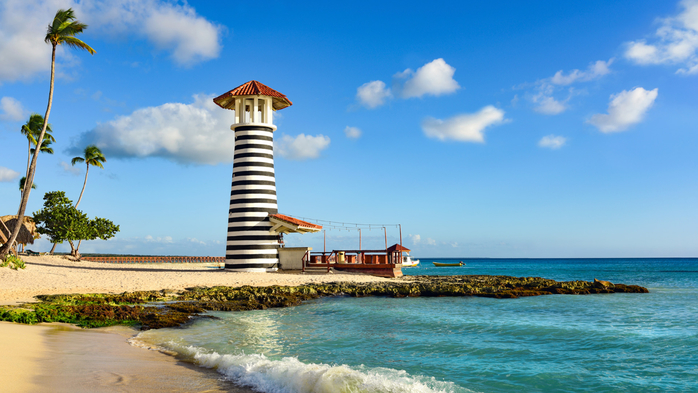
[(157, 309), (603, 284)]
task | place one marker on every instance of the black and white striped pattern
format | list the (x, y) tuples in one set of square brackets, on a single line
[(251, 246)]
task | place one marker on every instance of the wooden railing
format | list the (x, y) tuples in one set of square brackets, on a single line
[(352, 257), (155, 259)]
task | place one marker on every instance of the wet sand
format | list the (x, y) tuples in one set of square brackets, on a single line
[(63, 358)]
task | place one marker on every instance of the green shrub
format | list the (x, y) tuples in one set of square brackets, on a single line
[(13, 262)]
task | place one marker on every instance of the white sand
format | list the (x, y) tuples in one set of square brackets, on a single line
[(48, 275)]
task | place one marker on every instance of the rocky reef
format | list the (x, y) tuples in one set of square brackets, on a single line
[(157, 309)]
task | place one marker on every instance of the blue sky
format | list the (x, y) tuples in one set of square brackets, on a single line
[(486, 129)]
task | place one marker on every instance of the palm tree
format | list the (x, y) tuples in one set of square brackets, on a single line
[(22, 181), (92, 156), (31, 129), (61, 31), (45, 147)]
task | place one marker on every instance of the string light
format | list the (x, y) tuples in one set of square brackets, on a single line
[(336, 224)]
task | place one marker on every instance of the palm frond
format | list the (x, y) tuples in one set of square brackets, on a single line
[(78, 44), (48, 138), (75, 160), (45, 148), (58, 20), (22, 181), (64, 29), (93, 156), (73, 28), (26, 131)]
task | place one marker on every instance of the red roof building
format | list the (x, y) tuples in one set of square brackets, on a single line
[(286, 224)]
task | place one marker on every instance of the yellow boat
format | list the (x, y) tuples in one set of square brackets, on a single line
[(439, 264)]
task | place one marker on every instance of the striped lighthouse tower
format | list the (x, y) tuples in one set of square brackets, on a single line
[(252, 246)]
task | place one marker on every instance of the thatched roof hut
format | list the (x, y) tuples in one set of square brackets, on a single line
[(26, 235)]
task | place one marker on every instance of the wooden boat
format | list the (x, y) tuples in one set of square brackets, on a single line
[(439, 264)]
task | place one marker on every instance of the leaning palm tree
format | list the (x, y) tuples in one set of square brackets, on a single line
[(61, 31), (23, 181), (32, 129), (92, 156)]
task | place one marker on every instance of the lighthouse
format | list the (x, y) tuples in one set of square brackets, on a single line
[(252, 245)]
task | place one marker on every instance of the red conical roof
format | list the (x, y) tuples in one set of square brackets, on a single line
[(252, 88)]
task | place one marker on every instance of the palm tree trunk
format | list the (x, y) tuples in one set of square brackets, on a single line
[(83, 185), (29, 157), (32, 167), (53, 248)]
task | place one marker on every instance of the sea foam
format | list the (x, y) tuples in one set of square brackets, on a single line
[(290, 375)]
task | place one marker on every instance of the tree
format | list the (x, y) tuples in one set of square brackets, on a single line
[(92, 156), (61, 31), (45, 147), (32, 129), (22, 181), (60, 221)]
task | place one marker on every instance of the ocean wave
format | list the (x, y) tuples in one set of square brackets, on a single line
[(290, 375)]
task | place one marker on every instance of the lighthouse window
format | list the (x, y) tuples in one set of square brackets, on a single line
[(261, 103), (248, 110)]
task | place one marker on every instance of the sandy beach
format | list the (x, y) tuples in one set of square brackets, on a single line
[(64, 358), (49, 275), (58, 357)]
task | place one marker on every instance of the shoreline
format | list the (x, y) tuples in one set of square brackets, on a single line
[(64, 358)]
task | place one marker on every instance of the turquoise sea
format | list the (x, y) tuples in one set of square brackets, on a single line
[(556, 343)]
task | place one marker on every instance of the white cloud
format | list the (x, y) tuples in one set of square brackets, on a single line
[(415, 239), (11, 109), (352, 132), (552, 141), (430, 241), (191, 38), (435, 78), (197, 133), (626, 108), (165, 239), (373, 94), (7, 174), (548, 105), (70, 169), (169, 26), (594, 71), (675, 42), (23, 52), (466, 127), (546, 89), (302, 147)]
